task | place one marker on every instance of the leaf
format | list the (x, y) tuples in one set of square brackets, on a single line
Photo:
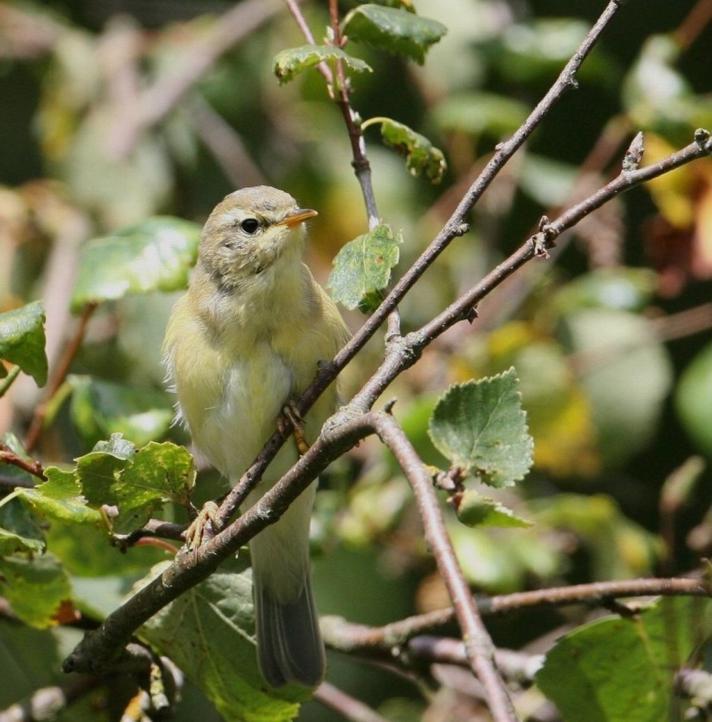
[(292, 61), (22, 341), (422, 157), (624, 667), (19, 531), (101, 408), (480, 426), (479, 113), (155, 255), (136, 482), (60, 497), (362, 268), (209, 633), (393, 30), (474, 509), (693, 399), (15, 473), (35, 587)]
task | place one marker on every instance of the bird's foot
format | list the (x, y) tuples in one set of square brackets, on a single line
[(203, 527), (291, 413)]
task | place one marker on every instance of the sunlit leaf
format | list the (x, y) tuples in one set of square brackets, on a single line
[(393, 30), (624, 668), (35, 587), (481, 427), (474, 509), (155, 255), (693, 399), (362, 268), (422, 157), (480, 113), (209, 633), (292, 61), (101, 408), (22, 340)]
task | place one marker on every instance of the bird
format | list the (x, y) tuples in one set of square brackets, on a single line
[(240, 345)]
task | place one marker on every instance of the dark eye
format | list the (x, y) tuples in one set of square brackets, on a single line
[(250, 225)]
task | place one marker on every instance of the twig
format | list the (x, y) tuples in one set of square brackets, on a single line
[(9, 380), (348, 637), (478, 645), (31, 466), (58, 377), (344, 704), (154, 528), (694, 23), (323, 68)]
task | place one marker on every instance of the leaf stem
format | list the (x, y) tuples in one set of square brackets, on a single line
[(9, 380)]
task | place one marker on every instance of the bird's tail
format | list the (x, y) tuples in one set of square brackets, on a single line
[(289, 646)]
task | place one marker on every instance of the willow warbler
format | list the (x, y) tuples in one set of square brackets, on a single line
[(244, 340)]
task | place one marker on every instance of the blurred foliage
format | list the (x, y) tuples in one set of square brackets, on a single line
[(101, 202)]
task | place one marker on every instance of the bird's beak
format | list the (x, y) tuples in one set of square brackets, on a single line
[(298, 215)]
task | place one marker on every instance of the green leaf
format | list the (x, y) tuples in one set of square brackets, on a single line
[(19, 531), (693, 400), (60, 497), (362, 268), (480, 114), (136, 482), (393, 30), (101, 408), (474, 509), (10, 471), (422, 157), (481, 427), (35, 587), (292, 61), (209, 633), (624, 668), (155, 255), (22, 340)]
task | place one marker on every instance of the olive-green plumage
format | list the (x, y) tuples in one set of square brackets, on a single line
[(244, 340)]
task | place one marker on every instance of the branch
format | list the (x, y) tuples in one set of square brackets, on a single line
[(478, 645), (344, 704), (31, 466)]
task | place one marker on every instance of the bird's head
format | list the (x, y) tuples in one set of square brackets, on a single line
[(249, 231)]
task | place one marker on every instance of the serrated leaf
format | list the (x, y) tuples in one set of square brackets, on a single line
[(19, 532), (155, 255), (22, 340), (209, 633), (474, 509), (292, 61), (101, 408), (422, 157), (60, 497), (481, 427), (362, 268), (35, 587), (624, 667), (393, 30), (136, 482)]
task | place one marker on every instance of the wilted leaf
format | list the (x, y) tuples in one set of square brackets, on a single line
[(362, 268), (693, 399), (136, 482), (292, 61), (35, 587), (480, 113), (22, 340), (480, 426), (624, 667), (422, 157), (209, 633), (19, 531), (474, 509), (155, 255), (102, 408), (394, 30)]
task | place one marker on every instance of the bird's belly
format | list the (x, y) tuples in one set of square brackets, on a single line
[(234, 429)]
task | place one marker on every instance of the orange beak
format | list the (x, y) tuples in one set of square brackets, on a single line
[(298, 215)]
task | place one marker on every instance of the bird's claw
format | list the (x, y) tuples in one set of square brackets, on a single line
[(291, 413), (203, 527)]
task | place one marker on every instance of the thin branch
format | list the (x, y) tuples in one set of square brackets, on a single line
[(323, 68), (694, 24), (344, 704), (58, 377), (478, 645), (31, 466), (9, 380), (154, 528), (348, 637)]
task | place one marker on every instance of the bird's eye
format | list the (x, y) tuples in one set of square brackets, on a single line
[(250, 225)]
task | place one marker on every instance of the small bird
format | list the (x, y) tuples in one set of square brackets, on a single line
[(243, 342)]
